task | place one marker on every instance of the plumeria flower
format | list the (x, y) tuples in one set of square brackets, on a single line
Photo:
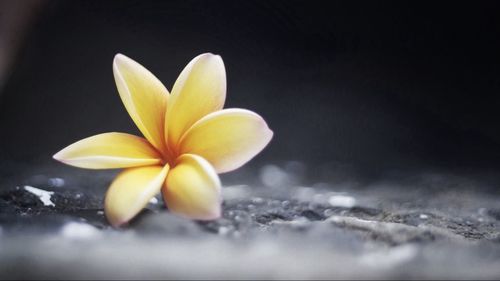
[(189, 139)]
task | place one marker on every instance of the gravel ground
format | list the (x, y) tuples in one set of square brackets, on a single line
[(276, 225)]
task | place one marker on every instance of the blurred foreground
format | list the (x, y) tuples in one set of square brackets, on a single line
[(278, 226)]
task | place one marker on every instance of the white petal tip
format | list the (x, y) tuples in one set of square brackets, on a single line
[(119, 223), (120, 56), (59, 157), (214, 215), (120, 60), (211, 56), (269, 132)]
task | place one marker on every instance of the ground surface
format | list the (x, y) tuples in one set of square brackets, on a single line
[(274, 226)]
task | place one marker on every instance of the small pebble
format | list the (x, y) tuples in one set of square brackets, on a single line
[(56, 182), (77, 230), (257, 200), (342, 201), (273, 176), (223, 230), (44, 195)]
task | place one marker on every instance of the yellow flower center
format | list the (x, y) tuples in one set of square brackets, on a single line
[(169, 156)]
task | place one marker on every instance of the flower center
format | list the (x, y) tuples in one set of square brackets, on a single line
[(169, 155)]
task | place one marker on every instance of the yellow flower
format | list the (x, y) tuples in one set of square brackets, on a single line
[(189, 138)]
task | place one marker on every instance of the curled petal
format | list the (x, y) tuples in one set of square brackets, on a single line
[(228, 138), (192, 189), (144, 97), (131, 191), (199, 90), (109, 151)]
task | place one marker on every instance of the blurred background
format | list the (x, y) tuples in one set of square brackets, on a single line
[(366, 86)]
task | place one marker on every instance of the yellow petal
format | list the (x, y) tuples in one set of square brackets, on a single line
[(199, 90), (131, 191), (144, 97), (228, 138), (192, 189), (109, 151)]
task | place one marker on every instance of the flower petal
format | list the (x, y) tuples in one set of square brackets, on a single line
[(144, 97), (109, 151), (131, 191), (192, 189), (199, 90), (228, 138)]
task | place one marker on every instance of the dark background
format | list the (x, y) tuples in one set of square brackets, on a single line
[(378, 86)]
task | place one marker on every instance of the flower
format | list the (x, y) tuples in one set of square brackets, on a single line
[(189, 139)]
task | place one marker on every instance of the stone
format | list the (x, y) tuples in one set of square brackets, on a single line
[(280, 229)]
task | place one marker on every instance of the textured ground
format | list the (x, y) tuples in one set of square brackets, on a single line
[(277, 226)]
